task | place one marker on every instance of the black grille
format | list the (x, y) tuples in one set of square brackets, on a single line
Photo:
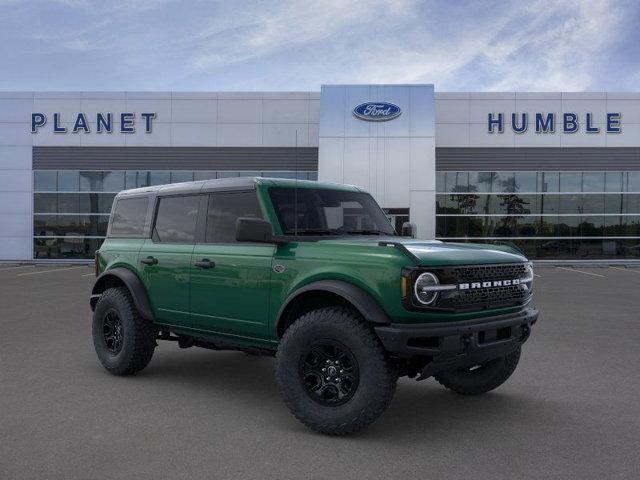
[(480, 273), (512, 293), (474, 299)]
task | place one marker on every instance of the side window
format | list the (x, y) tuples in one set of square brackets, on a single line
[(176, 219), (224, 209), (128, 218)]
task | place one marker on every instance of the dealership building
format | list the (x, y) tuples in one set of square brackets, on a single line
[(558, 174)]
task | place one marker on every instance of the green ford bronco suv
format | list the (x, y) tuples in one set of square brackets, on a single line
[(314, 274)]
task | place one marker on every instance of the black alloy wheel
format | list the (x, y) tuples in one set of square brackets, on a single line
[(112, 331), (329, 372)]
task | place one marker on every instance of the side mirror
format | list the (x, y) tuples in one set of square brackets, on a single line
[(253, 230), (408, 230)]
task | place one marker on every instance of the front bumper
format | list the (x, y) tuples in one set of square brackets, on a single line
[(452, 345)]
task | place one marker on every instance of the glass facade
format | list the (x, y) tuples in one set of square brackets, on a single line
[(548, 215), (71, 208)]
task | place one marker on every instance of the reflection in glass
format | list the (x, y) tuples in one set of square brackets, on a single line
[(440, 181), (592, 203), (631, 203), (457, 182), (45, 181), (181, 176), (526, 182), (613, 182), (570, 181), (91, 181), (159, 177), (593, 181), (504, 182), (68, 181), (591, 226), (113, 181), (613, 203), (633, 182), (480, 181), (549, 182), (204, 175), (45, 203), (65, 247), (571, 203)]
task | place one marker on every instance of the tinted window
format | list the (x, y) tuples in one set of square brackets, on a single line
[(113, 181), (504, 182), (91, 181), (68, 181), (176, 219), (457, 182), (570, 182), (311, 211), (128, 217), (526, 181), (224, 209), (549, 181), (45, 181)]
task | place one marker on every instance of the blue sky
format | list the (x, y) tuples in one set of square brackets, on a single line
[(535, 45)]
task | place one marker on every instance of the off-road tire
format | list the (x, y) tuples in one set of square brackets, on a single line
[(138, 335), (376, 379), (482, 379)]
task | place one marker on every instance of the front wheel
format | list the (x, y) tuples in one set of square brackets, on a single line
[(124, 341), (333, 373), (480, 378)]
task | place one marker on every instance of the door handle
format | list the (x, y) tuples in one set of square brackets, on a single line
[(149, 261), (204, 263)]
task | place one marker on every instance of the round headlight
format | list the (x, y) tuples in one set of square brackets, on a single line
[(421, 289)]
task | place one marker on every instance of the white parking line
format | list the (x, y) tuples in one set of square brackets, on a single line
[(49, 271), (13, 268), (89, 275), (580, 271), (536, 275), (632, 270)]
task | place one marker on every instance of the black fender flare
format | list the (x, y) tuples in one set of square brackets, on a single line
[(361, 300), (133, 284)]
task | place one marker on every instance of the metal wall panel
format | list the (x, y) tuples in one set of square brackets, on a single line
[(537, 159), (175, 158)]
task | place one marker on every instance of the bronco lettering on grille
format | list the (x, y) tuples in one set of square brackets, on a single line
[(494, 283)]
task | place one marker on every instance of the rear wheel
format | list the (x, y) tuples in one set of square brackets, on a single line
[(480, 378), (123, 340), (333, 373)]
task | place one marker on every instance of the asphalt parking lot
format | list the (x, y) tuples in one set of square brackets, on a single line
[(571, 410)]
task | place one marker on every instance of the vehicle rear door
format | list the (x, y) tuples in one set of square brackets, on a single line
[(166, 257), (230, 280)]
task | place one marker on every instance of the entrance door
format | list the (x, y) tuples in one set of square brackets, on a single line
[(230, 280), (166, 258)]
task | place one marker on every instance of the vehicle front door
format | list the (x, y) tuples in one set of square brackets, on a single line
[(166, 258), (230, 280)]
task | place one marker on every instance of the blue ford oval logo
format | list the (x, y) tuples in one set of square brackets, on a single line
[(377, 111)]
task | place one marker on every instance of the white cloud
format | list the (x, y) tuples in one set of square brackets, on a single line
[(289, 44), (258, 32), (543, 46)]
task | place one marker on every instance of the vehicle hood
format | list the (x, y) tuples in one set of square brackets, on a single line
[(435, 252), (442, 253)]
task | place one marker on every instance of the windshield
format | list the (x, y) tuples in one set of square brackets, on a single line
[(328, 212)]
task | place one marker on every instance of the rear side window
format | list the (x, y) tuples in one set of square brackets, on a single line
[(176, 219), (224, 209), (128, 217)]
